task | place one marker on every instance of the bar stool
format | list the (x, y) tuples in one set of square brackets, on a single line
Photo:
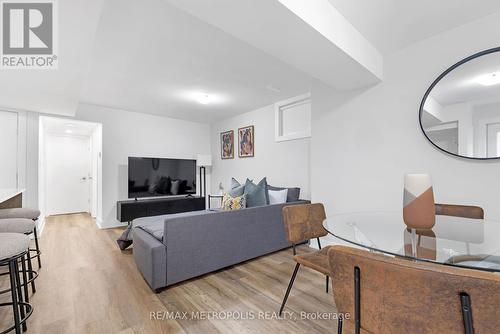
[(14, 246), (25, 213), (27, 227)]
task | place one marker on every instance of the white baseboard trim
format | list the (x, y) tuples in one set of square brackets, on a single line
[(40, 225), (98, 222), (102, 226)]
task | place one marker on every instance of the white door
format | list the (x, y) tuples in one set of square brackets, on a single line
[(8, 149), (68, 167), (493, 145)]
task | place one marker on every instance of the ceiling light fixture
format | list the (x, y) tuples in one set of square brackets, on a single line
[(489, 79), (203, 98), (68, 131)]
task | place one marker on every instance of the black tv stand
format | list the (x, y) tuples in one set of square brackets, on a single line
[(128, 210)]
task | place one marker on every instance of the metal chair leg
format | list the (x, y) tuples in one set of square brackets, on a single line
[(289, 287), (20, 295), (25, 278), (327, 279), (37, 248), (466, 313), (357, 300), (340, 322), (15, 306), (30, 268)]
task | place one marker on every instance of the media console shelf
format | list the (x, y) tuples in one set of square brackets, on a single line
[(128, 210)]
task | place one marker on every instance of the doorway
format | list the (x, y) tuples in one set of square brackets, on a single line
[(70, 167), (493, 140)]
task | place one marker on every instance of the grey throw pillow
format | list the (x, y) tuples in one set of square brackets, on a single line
[(293, 193), (237, 189), (256, 193)]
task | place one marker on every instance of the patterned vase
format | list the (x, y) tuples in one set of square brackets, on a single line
[(418, 208)]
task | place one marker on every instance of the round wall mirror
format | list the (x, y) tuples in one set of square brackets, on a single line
[(460, 112)]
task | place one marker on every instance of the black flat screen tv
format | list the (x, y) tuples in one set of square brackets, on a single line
[(151, 177)]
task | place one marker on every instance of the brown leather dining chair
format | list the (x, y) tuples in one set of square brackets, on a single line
[(465, 211), (390, 295), (302, 223)]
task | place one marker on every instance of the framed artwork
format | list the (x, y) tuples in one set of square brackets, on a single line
[(246, 142), (227, 145)]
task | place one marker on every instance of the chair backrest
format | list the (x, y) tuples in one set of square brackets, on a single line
[(465, 211), (304, 222), (402, 296)]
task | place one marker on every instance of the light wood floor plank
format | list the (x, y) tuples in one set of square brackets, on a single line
[(87, 285)]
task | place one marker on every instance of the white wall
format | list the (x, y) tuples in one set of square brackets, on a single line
[(8, 149), (135, 134), (364, 142), (283, 163), (19, 153)]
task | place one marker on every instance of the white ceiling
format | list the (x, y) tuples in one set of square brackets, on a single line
[(150, 57), (311, 36), (56, 91), (391, 25), (460, 85)]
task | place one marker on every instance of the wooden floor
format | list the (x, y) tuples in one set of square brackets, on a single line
[(87, 285)]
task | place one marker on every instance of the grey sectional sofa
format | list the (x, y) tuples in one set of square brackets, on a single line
[(172, 248)]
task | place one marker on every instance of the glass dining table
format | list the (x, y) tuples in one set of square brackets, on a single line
[(454, 241)]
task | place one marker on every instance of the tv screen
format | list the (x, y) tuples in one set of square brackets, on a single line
[(149, 177)]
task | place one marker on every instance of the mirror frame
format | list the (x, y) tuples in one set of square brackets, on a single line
[(435, 82)]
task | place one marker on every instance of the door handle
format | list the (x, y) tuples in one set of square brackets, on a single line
[(84, 179)]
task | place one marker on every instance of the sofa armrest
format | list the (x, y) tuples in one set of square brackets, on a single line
[(151, 258)]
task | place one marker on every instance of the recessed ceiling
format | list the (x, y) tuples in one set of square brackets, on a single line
[(391, 25), (152, 57), (461, 84)]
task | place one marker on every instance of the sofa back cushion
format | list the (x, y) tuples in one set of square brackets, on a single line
[(293, 194)]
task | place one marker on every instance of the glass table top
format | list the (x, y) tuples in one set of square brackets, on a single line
[(463, 242)]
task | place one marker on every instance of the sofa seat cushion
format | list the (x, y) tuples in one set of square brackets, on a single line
[(155, 226)]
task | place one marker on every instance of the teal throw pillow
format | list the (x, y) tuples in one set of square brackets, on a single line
[(256, 193)]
